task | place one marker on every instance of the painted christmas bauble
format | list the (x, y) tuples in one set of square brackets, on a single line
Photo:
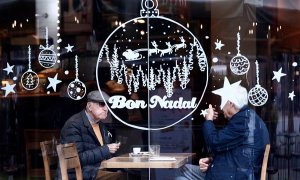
[(156, 58), (258, 96), (47, 58), (30, 80), (76, 90), (239, 65)]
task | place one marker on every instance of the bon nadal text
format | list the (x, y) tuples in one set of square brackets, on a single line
[(118, 102)]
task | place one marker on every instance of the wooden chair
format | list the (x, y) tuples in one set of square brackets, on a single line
[(265, 163), (49, 158), (68, 159), (34, 161)]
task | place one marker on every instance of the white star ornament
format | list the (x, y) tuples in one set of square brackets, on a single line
[(8, 69), (227, 92), (9, 88), (53, 82), (292, 95), (69, 48), (203, 112), (219, 44), (278, 74)]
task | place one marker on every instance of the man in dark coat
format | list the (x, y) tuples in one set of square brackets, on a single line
[(238, 148), (92, 139)]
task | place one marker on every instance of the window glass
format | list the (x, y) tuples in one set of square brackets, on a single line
[(160, 61)]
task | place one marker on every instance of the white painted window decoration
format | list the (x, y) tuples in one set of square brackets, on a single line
[(239, 64), (278, 74), (47, 57), (258, 95), (29, 79), (160, 60), (76, 89)]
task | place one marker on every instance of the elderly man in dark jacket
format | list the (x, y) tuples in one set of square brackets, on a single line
[(92, 139), (238, 148)]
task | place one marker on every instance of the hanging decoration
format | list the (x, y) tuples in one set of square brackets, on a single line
[(29, 79), (76, 89), (47, 57), (258, 95), (239, 64), (158, 54)]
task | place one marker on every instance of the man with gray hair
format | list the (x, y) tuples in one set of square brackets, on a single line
[(238, 148), (92, 139)]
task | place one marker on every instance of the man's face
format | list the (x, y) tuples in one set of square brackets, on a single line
[(227, 110), (98, 110)]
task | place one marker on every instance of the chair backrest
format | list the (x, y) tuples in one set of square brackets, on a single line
[(265, 163), (49, 157), (68, 159), (33, 137)]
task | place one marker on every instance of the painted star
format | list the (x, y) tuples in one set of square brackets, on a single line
[(69, 48), (292, 95), (9, 88), (227, 92), (219, 44), (53, 82), (203, 112), (278, 74), (8, 69)]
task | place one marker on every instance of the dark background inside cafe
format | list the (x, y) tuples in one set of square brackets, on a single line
[(50, 112)]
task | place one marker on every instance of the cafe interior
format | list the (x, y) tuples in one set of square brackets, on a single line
[(159, 60)]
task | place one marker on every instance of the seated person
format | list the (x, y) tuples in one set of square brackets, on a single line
[(238, 148), (92, 139)]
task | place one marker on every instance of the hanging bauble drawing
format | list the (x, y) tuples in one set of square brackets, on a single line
[(29, 79), (239, 64), (76, 89), (258, 95), (158, 54), (47, 57)]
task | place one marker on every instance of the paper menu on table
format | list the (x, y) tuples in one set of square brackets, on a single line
[(162, 158)]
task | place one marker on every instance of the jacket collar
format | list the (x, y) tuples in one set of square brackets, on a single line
[(92, 121), (244, 108), (88, 125), (85, 119)]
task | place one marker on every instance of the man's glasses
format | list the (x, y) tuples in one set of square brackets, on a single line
[(101, 104)]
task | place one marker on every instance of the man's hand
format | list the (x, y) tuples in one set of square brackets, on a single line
[(204, 164), (113, 147), (211, 114)]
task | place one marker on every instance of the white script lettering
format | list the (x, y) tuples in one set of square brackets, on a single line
[(170, 104), (121, 102)]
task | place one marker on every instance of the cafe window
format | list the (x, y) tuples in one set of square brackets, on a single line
[(160, 61)]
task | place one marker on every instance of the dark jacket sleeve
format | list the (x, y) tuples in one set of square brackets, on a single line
[(225, 139)]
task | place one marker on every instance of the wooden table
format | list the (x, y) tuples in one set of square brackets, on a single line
[(125, 161)]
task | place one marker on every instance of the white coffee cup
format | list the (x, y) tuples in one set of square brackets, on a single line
[(136, 150)]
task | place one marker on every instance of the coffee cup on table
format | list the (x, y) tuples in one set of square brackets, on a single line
[(136, 150)]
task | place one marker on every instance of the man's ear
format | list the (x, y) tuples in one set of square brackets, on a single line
[(88, 106)]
